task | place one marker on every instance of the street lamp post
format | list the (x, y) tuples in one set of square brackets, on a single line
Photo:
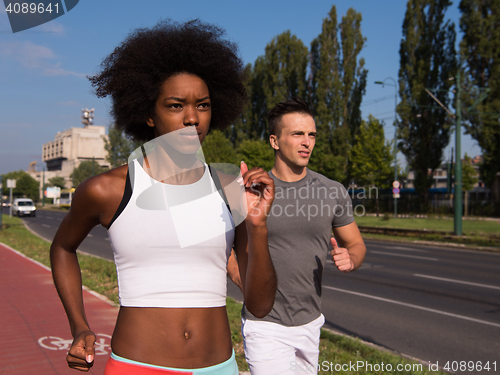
[(383, 83)]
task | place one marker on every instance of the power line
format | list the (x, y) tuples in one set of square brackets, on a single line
[(377, 100)]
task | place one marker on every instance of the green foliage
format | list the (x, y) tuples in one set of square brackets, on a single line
[(243, 127), (119, 147), (427, 60), (337, 84), (371, 156), (469, 174), (480, 52), (285, 69), (469, 179), (218, 149), (85, 170), (57, 181), (256, 153), (26, 186), (334, 89), (276, 76)]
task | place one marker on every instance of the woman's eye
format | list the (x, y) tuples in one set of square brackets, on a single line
[(175, 106), (204, 105)]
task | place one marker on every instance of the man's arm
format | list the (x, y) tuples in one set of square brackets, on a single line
[(349, 248)]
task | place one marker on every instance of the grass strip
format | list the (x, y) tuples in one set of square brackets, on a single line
[(469, 226), (477, 233), (335, 350), (472, 243)]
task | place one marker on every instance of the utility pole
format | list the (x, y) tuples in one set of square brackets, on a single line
[(457, 222), (396, 184), (457, 194), (43, 187)]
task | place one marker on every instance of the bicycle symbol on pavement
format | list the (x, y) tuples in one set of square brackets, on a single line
[(102, 343)]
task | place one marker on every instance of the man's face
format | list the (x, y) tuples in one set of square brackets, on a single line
[(296, 140)]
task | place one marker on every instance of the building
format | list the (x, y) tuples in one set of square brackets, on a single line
[(439, 187), (70, 148)]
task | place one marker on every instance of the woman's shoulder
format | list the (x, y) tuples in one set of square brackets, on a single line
[(102, 190)]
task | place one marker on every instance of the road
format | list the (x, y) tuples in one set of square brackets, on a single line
[(433, 303)]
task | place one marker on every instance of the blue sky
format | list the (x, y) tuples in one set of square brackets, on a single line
[(42, 70)]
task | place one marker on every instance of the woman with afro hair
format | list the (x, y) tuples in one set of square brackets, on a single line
[(172, 220)]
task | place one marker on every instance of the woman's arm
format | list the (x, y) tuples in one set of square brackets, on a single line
[(233, 270), (257, 274), (89, 206)]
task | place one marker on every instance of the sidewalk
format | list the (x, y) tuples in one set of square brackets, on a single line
[(35, 334)]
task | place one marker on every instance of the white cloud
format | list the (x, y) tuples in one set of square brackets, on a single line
[(33, 56), (27, 54), (52, 27), (58, 71)]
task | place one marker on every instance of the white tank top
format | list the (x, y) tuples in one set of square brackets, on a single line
[(171, 243)]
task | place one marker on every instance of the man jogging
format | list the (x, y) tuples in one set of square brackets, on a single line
[(307, 207)]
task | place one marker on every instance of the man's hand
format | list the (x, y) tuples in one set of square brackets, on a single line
[(341, 257), (82, 352)]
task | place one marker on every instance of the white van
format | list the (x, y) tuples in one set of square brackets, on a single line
[(23, 206)]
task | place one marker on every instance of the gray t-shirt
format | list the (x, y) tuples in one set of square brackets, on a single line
[(300, 227)]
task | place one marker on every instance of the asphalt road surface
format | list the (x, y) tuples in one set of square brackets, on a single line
[(436, 304)]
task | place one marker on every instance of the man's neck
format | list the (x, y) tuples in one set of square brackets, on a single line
[(287, 173)]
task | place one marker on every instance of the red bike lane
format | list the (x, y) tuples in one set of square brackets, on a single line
[(34, 330)]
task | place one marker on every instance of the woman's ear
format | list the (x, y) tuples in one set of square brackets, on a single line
[(150, 123), (274, 142)]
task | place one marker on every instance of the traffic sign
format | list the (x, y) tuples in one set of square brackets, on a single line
[(396, 184), (395, 195), (395, 191)]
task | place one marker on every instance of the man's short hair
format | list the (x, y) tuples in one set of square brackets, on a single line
[(294, 105)]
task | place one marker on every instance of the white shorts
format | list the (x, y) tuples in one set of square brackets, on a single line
[(274, 349)]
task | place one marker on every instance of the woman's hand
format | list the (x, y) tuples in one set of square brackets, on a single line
[(82, 352), (259, 193)]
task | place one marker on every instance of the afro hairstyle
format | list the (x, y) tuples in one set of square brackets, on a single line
[(136, 70)]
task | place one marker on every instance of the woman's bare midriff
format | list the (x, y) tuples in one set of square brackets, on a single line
[(173, 337)]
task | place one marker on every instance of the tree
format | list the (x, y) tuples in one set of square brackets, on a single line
[(480, 52), (278, 75), (427, 60), (337, 84), (57, 181), (218, 149), (469, 179), (371, 157), (119, 147), (256, 153), (26, 186), (285, 65), (85, 170)]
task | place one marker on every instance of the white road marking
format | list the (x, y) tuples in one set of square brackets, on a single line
[(407, 249), (90, 235), (46, 225), (404, 256), (458, 281), (415, 307)]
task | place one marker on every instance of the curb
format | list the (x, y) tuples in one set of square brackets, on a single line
[(437, 243)]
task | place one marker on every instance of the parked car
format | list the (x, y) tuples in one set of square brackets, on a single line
[(23, 206)]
